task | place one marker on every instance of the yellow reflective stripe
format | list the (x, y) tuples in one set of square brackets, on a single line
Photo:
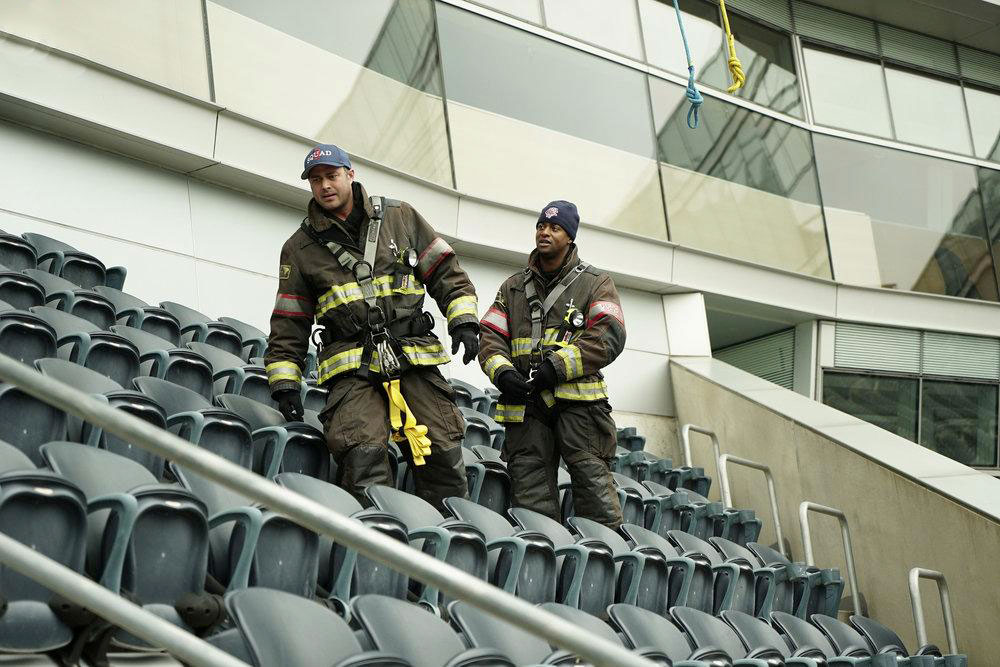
[(495, 363), (572, 361), (283, 371), (425, 355), (417, 355), (522, 346), (338, 295), (463, 305), (509, 413), (582, 391)]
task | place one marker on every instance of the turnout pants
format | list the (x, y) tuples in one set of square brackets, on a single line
[(356, 418), (583, 435)]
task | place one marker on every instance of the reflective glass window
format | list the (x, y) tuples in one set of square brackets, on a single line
[(532, 120), (662, 37), (959, 420), (847, 92), (905, 221), (529, 10), (767, 59), (984, 117), (989, 186), (886, 402), (363, 75), (612, 24), (741, 185), (162, 42), (927, 111)]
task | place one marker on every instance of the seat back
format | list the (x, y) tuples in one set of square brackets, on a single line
[(755, 633), (102, 351), (254, 340), (881, 638), (591, 624), (492, 525), (477, 433), (164, 360), (72, 298), (482, 630), (540, 523), (642, 628), (631, 495), (283, 629), (699, 582), (25, 336), (467, 395), (12, 458), (802, 634), (845, 639), (398, 627), (62, 259), (29, 423), (16, 253), (706, 630), (413, 511), (141, 406), (589, 528), (135, 312), (19, 290), (171, 397), (84, 379), (196, 326)]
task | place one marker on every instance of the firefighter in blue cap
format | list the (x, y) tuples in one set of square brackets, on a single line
[(360, 266), (545, 339)]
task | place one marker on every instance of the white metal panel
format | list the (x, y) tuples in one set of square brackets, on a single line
[(961, 356), (770, 357), (877, 348)]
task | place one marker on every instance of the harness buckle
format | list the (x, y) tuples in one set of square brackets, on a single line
[(362, 271), (387, 359), (376, 319)]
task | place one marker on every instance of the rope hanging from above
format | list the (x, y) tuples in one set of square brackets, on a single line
[(692, 94), (735, 66)]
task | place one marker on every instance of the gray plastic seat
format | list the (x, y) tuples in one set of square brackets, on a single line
[(254, 340), (276, 628), (16, 253), (760, 639), (47, 512), (628, 438), (641, 627), (25, 336), (344, 573), (690, 580), (251, 545), (585, 567), (808, 640), (400, 628), (69, 297), (162, 359), (84, 343), (631, 496), (481, 630), (642, 466), (455, 542), (192, 417), (665, 510), (492, 398), (233, 375), (146, 538), (314, 397), (280, 446), (598, 628), (134, 312), (13, 459), (64, 260), (477, 428), (734, 582), (521, 562), (201, 328), (814, 590), (717, 643), (495, 491), (884, 641), (467, 395), (774, 588), (19, 290), (29, 423), (133, 402)]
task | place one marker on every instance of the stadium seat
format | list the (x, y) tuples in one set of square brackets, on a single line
[(734, 582), (848, 641), (68, 297), (628, 438), (632, 496), (480, 429), (145, 538), (275, 628), (717, 643), (690, 478), (467, 395), (201, 328), (774, 585), (25, 336), (492, 398), (665, 510), (585, 567), (598, 628), (885, 641), (454, 542), (16, 253), (29, 423), (251, 545), (343, 573), (643, 628), (20, 290), (690, 581), (400, 628), (12, 458), (314, 397), (815, 590), (134, 312), (162, 359), (521, 562), (62, 259), (495, 492), (642, 466), (192, 417), (233, 375), (808, 640), (762, 641), (481, 630), (254, 340), (48, 513), (280, 446), (84, 343)]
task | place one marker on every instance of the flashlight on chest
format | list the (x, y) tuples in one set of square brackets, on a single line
[(572, 322)]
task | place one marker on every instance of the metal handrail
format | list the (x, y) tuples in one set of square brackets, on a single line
[(916, 574), (686, 441), (320, 519), (845, 531), (98, 599), (727, 498)]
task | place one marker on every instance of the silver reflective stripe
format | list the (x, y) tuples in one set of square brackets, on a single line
[(433, 255)]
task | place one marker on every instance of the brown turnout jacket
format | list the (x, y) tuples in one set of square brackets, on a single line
[(313, 285), (578, 355)]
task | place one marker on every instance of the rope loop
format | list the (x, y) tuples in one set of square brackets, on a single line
[(735, 66), (695, 98)]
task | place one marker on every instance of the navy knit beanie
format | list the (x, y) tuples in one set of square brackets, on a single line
[(562, 213)]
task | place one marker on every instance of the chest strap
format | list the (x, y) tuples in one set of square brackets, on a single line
[(539, 308)]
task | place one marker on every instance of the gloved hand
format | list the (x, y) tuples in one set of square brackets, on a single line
[(468, 336), (290, 404), (544, 377), (513, 386)]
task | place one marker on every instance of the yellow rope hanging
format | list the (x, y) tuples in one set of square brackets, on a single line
[(735, 66), (408, 429)]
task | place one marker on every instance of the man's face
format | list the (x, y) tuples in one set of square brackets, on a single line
[(550, 239), (331, 186)]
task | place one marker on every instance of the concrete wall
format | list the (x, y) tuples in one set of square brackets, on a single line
[(896, 521)]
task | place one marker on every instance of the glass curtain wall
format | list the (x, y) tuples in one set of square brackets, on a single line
[(742, 185), (885, 401), (363, 75)]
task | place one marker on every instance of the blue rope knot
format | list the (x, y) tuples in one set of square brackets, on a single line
[(695, 98)]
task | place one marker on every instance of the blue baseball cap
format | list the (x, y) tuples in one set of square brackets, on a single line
[(562, 213), (328, 154)]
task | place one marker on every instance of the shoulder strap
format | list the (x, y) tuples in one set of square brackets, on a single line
[(539, 309)]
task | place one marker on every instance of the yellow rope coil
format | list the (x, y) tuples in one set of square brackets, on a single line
[(735, 66), (408, 428)]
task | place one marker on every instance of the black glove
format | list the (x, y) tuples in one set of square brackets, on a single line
[(468, 336), (513, 386), (544, 377), (290, 404)]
